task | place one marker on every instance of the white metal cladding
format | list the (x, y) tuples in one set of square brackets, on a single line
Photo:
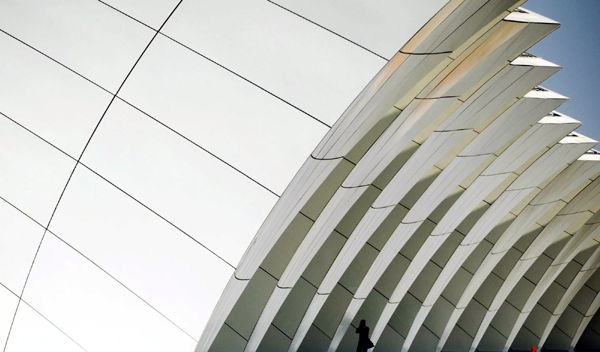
[(449, 186), (396, 161)]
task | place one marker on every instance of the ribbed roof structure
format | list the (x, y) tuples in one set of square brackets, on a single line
[(252, 175), (449, 188)]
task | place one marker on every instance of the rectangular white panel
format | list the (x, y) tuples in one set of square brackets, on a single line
[(49, 100), (32, 332), (240, 123), (165, 267), (93, 309), (8, 306), (288, 56), (33, 172), (200, 194), (87, 36), (150, 12), (382, 26), (19, 240)]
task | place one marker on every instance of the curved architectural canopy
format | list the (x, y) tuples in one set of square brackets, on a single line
[(253, 175), (440, 207)]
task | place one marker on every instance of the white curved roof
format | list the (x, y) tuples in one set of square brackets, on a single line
[(261, 175)]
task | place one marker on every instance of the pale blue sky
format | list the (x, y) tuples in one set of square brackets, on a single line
[(576, 47)]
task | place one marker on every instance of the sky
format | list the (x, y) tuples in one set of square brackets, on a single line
[(576, 47)]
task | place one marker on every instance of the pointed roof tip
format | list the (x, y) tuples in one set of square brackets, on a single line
[(590, 155), (558, 118), (540, 92), (577, 138), (521, 14), (527, 59)]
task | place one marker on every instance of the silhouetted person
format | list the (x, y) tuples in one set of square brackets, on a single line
[(363, 337)]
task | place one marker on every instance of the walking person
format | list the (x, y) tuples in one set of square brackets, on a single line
[(363, 337)]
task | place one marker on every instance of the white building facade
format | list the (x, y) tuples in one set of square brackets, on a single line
[(261, 175)]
